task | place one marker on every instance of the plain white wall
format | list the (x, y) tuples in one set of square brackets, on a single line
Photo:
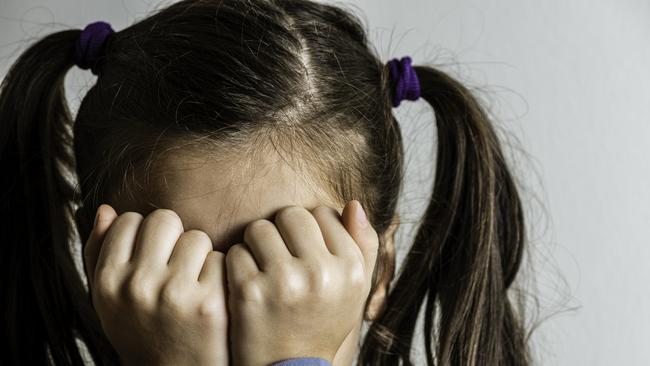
[(567, 83)]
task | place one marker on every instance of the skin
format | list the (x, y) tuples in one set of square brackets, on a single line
[(159, 291), (221, 198)]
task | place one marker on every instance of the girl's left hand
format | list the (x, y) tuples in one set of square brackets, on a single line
[(299, 285)]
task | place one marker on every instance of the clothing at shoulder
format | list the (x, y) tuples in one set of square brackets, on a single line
[(303, 361)]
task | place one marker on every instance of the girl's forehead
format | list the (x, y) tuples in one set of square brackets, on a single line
[(223, 197)]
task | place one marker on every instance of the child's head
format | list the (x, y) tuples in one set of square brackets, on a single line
[(226, 111)]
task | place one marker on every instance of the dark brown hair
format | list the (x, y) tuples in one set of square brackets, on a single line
[(295, 75)]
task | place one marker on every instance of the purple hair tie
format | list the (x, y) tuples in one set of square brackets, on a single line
[(404, 79), (90, 45)]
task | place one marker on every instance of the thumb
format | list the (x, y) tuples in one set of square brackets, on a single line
[(357, 224), (103, 219)]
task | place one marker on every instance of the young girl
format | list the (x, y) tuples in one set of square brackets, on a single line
[(233, 143)]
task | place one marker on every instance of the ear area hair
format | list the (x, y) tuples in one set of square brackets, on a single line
[(376, 304)]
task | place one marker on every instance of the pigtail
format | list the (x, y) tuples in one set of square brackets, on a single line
[(44, 302), (467, 250)]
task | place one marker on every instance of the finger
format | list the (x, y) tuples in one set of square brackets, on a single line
[(240, 264), (266, 244), (213, 272), (300, 232), (103, 219), (356, 222), (189, 254), (159, 232), (338, 240), (119, 241)]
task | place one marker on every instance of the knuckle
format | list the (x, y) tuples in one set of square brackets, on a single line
[(294, 289), (250, 292), (213, 310), (172, 296), (356, 275), (139, 289), (320, 280), (283, 273)]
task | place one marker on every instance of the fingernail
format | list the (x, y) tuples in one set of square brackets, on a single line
[(361, 216)]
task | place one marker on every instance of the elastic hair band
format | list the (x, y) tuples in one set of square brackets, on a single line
[(90, 45), (404, 80)]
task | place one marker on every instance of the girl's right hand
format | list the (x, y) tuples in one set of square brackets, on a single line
[(159, 291)]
